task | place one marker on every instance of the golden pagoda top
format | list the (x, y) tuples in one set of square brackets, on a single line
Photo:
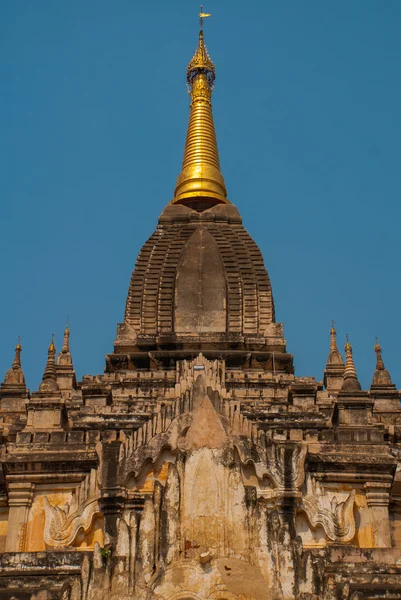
[(200, 176)]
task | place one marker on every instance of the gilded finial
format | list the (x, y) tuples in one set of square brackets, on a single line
[(202, 16), (347, 347), (200, 177), (332, 330), (377, 346), (52, 347)]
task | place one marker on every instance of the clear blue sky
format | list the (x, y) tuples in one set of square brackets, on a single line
[(93, 119)]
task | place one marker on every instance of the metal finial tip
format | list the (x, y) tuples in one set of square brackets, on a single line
[(52, 347), (332, 330), (377, 346), (347, 347), (18, 346)]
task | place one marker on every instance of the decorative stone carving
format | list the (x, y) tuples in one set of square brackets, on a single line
[(286, 463), (62, 526), (336, 518)]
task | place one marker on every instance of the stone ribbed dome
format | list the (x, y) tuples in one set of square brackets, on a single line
[(200, 273)]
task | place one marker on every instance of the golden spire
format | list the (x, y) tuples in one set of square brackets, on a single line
[(200, 175), (351, 382)]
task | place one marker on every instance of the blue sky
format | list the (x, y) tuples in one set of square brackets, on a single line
[(93, 117)]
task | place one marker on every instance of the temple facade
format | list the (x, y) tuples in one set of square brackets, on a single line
[(198, 466)]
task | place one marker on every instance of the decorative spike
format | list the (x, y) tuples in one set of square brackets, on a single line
[(17, 358), (333, 339), (50, 370), (379, 359), (381, 377), (200, 177), (15, 376), (64, 358), (351, 382), (49, 379), (66, 344)]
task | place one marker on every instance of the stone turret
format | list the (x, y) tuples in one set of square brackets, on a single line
[(13, 396), (15, 379), (350, 379), (353, 409), (382, 390), (45, 409)]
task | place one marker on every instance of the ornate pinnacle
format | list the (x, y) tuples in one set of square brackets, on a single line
[(15, 375), (379, 359), (333, 339), (381, 376), (17, 358), (200, 176), (66, 344), (334, 359), (49, 379), (201, 63), (351, 382), (64, 358)]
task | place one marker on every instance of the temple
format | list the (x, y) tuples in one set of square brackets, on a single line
[(198, 466)]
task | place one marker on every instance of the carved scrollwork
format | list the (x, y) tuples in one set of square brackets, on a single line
[(336, 518), (286, 464), (61, 529), (62, 525)]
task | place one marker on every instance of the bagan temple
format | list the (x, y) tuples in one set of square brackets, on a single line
[(198, 466)]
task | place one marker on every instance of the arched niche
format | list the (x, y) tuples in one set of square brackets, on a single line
[(200, 302)]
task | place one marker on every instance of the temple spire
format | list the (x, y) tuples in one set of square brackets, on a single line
[(49, 379), (17, 357), (200, 177), (333, 339), (15, 375), (66, 344), (351, 382), (381, 377), (64, 368), (333, 373), (334, 354), (64, 358)]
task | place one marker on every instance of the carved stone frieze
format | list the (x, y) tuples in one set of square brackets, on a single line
[(336, 518)]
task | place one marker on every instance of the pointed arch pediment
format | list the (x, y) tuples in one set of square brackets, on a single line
[(200, 299)]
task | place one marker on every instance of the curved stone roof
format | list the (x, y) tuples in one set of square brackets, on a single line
[(200, 272)]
